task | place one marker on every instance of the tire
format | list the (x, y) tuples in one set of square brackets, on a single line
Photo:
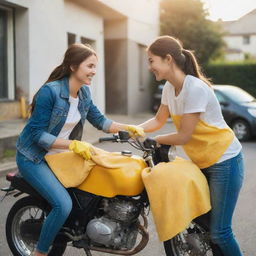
[(194, 241), (22, 245), (241, 129)]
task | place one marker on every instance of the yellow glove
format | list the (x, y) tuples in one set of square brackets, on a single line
[(83, 149), (135, 131)]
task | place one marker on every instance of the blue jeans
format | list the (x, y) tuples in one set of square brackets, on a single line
[(44, 181), (225, 180)]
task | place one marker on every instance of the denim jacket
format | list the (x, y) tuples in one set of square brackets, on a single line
[(49, 116)]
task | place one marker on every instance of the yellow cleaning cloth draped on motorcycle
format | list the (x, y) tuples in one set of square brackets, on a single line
[(106, 173), (178, 192)]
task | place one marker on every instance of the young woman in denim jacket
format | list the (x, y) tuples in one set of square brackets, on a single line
[(59, 110), (189, 99)]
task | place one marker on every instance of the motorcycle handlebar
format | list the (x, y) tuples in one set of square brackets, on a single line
[(113, 138), (122, 136)]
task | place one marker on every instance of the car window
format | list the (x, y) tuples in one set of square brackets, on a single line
[(236, 94), (220, 97), (160, 88)]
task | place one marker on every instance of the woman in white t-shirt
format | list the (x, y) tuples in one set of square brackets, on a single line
[(206, 138)]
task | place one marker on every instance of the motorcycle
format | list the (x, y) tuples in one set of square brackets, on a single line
[(98, 223)]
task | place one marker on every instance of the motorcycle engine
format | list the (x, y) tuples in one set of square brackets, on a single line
[(117, 227)]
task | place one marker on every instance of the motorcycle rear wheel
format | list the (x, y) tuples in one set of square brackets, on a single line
[(33, 210), (194, 241)]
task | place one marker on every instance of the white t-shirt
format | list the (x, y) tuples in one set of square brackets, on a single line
[(72, 120), (196, 96)]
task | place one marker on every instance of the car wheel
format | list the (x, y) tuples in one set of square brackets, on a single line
[(241, 129)]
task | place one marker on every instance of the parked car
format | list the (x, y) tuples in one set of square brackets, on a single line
[(157, 97), (238, 109)]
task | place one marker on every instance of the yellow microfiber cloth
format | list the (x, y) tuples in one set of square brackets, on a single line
[(178, 192), (72, 169)]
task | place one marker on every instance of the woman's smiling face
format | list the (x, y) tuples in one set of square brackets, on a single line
[(86, 70), (159, 66)]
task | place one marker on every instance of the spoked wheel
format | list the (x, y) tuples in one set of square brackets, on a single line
[(194, 241), (23, 227), (241, 129)]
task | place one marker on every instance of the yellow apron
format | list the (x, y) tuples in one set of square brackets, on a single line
[(207, 144)]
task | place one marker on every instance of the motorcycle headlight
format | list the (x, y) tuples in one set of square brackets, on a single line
[(165, 153), (252, 111), (172, 153)]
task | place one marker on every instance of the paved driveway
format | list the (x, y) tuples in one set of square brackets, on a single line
[(244, 219)]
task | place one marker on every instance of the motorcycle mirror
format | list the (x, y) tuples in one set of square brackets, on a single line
[(149, 143), (123, 135)]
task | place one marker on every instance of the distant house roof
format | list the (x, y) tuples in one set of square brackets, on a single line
[(246, 25)]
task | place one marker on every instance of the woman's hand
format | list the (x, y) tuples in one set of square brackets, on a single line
[(83, 149), (135, 131)]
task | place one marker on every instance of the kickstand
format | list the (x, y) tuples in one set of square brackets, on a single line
[(88, 252)]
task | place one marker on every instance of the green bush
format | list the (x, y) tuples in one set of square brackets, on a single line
[(242, 75)]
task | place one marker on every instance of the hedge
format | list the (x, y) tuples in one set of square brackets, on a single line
[(241, 75)]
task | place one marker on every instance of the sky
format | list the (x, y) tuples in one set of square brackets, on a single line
[(228, 9)]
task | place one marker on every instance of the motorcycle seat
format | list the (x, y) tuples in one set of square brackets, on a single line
[(18, 182)]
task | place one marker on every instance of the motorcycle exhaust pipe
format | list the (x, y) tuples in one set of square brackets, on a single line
[(138, 248)]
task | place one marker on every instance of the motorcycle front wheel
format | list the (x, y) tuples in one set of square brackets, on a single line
[(194, 241), (26, 215)]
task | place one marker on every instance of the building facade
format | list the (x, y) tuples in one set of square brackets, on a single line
[(35, 34), (241, 37)]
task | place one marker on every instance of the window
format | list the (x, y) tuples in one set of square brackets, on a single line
[(219, 96), (88, 41), (6, 54), (246, 39), (71, 38)]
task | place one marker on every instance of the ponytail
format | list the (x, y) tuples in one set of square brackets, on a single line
[(58, 73), (191, 66)]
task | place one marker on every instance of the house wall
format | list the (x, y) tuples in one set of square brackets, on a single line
[(237, 43), (139, 79), (234, 56), (41, 42), (87, 24), (238, 29), (141, 30), (122, 27), (116, 76)]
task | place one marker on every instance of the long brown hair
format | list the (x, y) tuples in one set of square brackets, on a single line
[(74, 56), (185, 59)]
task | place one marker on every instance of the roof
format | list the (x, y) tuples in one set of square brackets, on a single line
[(243, 26)]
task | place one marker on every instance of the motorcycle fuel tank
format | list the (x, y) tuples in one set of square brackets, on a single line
[(109, 182)]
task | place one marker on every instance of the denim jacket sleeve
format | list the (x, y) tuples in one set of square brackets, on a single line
[(40, 118), (97, 119)]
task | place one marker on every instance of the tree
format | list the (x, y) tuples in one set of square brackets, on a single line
[(187, 21)]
